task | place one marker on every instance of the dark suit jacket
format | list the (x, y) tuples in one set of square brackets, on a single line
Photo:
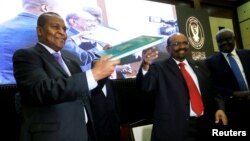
[(172, 104), (52, 102), (226, 83), (106, 112)]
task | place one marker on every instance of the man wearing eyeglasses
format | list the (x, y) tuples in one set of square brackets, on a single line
[(183, 112), (233, 86)]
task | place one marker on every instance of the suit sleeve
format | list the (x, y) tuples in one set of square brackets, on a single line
[(147, 82)]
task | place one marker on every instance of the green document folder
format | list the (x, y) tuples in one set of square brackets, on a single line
[(131, 46)]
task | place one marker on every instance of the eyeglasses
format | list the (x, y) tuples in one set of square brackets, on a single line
[(175, 44)]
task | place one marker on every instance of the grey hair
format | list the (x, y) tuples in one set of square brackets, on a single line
[(225, 30)]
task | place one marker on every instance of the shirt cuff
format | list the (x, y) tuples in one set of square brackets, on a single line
[(144, 72), (91, 80)]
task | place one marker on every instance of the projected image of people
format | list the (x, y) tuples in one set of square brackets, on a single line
[(93, 26), (169, 27)]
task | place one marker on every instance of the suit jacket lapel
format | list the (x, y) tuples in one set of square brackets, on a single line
[(224, 64), (175, 70), (197, 71), (72, 68), (194, 66), (50, 58)]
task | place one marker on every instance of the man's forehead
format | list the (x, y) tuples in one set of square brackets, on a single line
[(55, 19), (225, 35), (178, 37)]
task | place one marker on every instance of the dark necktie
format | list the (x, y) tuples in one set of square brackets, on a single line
[(236, 70), (195, 97), (59, 59)]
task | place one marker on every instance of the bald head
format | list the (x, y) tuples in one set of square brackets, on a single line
[(169, 41), (37, 7)]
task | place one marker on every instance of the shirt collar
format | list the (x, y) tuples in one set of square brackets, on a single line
[(51, 51), (233, 53), (184, 61)]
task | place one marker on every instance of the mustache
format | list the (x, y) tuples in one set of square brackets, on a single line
[(61, 37), (181, 49)]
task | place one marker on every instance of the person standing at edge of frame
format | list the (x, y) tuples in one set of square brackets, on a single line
[(233, 86)]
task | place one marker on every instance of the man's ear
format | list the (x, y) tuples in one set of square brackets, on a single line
[(39, 31), (44, 8)]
